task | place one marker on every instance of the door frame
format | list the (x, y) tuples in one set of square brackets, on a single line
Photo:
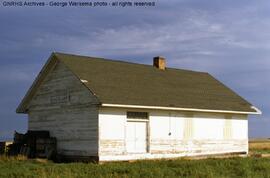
[(146, 121)]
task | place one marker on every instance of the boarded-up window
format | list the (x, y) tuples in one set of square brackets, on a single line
[(137, 115), (188, 127), (227, 132), (59, 97)]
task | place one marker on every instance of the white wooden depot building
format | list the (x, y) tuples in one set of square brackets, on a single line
[(110, 110)]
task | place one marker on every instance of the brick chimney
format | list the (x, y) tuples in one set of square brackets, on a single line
[(159, 62)]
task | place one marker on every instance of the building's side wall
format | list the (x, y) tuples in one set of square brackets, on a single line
[(112, 125), (174, 134), (64, 107)]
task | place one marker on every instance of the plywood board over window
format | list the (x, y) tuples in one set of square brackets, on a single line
[(188, 127), (228, 127)]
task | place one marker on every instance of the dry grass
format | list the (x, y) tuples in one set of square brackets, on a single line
[(13, 158), (249, 167), (259, 146)]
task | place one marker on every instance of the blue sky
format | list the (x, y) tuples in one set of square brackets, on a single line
[(229, 39)]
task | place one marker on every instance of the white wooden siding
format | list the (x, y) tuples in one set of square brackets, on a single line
[(172, 134), (112, 124), (64, 107), (239, 129), (160, 127), (167, 126), (205, 128)]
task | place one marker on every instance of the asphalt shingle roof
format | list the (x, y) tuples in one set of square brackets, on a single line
[(118, 82)]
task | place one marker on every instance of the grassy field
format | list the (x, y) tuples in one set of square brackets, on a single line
[(206, 168), (259, 146), (230, 167)]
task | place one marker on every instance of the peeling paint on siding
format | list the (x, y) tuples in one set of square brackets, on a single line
[(181, 142), (64, 107)]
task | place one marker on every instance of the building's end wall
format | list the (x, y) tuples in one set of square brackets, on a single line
[(64, 107), (173, 134)]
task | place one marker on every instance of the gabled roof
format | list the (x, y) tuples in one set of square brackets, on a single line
[(124, 83)]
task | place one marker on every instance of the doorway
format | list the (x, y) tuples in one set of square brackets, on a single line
[(136, 136)]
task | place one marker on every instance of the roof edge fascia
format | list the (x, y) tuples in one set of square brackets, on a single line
[(258, 112), (38, 80)]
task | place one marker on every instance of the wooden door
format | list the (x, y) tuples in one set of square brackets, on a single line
[(136, 137)]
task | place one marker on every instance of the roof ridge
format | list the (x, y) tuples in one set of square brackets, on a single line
[(126, 62)]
